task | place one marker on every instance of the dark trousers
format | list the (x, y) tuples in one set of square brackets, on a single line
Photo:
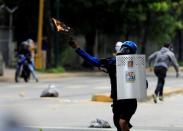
[(160, 72), (123, 109)]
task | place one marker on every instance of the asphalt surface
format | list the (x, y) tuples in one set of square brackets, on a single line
[(75, 112), (59, 115)]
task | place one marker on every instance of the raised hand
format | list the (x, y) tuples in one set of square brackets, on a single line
[(73, 44)]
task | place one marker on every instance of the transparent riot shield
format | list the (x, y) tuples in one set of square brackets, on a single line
[(131, 77)]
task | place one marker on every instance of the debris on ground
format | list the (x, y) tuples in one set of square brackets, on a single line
[(51, 91), (99, 123)]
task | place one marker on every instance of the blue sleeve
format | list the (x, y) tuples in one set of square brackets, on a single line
[(88, 58)]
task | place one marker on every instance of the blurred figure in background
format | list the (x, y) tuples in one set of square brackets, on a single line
[(32, 49), (25, 49), (162, 59)]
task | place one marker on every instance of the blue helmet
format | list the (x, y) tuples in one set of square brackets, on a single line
[(132, 45)]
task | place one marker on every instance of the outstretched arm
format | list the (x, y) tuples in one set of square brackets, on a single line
[(88, 58), (174, 63), (151, 58)]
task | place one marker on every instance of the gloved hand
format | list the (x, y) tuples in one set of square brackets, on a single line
[(73, 44), (177, 74)]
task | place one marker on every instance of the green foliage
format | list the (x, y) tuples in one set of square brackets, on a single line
[(160, 6), (164, 20), (58, 69), (163, 28), (141, 20), (179, 25)]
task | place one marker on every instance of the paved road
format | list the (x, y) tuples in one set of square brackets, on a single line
[(60, 115), (74, 110), (74, 88)]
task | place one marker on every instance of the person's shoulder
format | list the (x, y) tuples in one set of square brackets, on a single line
[(170, 52)]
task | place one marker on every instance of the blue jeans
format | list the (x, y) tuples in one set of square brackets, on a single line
[(31, 67)]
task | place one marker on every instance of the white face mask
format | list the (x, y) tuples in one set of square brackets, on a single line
[(118, 46)]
